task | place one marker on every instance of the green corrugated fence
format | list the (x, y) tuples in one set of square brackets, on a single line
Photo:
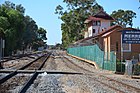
[(94, 53)]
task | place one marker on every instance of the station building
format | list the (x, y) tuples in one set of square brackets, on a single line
[(109, 38)]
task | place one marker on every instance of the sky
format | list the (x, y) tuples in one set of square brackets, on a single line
[(42, 11)]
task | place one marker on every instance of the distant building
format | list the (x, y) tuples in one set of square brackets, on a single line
[(109, 38)]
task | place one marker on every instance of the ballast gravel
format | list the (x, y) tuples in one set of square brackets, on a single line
[(74, 83), (67, 84)]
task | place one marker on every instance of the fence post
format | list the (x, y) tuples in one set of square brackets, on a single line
[(103, 59)]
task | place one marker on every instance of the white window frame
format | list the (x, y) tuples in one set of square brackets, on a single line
[(96, 23), (129, 50)]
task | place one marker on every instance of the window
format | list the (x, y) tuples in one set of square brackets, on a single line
[(126, 47), (96, 23), (116, 46), (93, 31), (89, 32)]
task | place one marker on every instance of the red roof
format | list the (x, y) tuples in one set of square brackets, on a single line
[(105, 32), (109, 29), (121, 29), (92, 18), (103, 15), (99, 16)]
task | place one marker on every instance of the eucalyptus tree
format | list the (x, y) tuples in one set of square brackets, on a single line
[(20, 31), (11, 21), (42, 33), (4, 23), (123, 17), (73, 18), (139, 1), (30, 33), (41, 38)]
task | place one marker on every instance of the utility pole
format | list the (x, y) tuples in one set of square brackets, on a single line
[(0, 52), (2, 43)]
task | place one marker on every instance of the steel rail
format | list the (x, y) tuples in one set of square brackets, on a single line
[(27, 65), (120, 91), (42, 71), (8, 77), (93, 77), (124, 84), (4, 79), (77, 65), (34, 76), (15, 57), (137, 90), (29, 82)]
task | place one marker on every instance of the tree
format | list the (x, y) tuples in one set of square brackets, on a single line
[(11, 41), (73, 18), (42, 33), (139, 1), (20, 31), (20, 8), (33, 36), (30, 33), (41, 36), (4, 23), (123, 17), (11, 21)]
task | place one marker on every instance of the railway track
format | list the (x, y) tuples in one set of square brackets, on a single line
[(71, 65), (15, 72), (74, 66), (35, 65), (50, 65), (116, 84), (107, 81), (33, 77), (14, 62), (35, 69), (5, 59), (23, 77)]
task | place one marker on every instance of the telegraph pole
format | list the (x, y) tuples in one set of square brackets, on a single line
[(2, 45), (0, 52)]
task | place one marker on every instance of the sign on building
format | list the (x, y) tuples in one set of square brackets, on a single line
[(131, 36)]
